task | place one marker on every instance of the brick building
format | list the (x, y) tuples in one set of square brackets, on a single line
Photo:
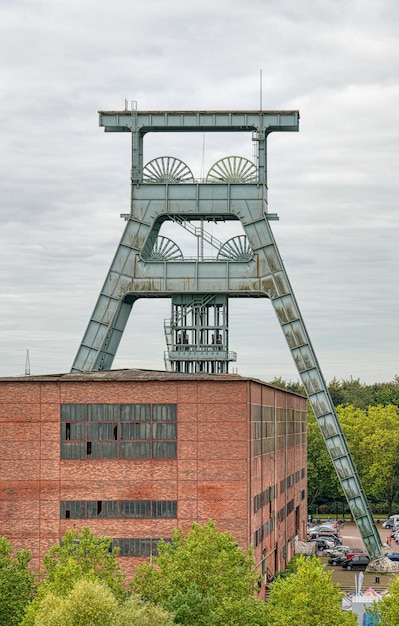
[(133, 454)]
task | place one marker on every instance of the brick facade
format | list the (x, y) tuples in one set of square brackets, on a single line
[(240, 460)]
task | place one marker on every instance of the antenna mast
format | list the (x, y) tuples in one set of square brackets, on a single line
[(27, 364)]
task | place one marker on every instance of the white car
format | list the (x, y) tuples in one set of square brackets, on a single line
[(337, 551), (322, 528)]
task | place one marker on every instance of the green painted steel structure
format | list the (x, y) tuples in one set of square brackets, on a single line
[(142, 269)]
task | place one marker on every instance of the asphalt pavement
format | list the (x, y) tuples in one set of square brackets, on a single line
[(350, 536)]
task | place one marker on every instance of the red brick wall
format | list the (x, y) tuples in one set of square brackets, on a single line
[(215, 475)]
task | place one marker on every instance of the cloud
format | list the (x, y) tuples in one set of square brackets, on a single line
[(64, 183)]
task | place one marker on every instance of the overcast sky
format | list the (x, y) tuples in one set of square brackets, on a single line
[(335, 184)]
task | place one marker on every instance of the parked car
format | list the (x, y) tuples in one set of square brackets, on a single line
[(394, 556), (337, 560), (358, 561), (329, 536), (321, 527), (390, 521), (355, 551), (322, 544), (337, 551)]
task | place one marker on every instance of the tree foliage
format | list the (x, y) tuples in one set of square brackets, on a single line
[(372, 435), (323, 484), (135, 612), (386, 611), (88, 603), (307, 596), (204, 578), (92, 603), (80, 555), (353, 392), (373, 438), (17, 583)]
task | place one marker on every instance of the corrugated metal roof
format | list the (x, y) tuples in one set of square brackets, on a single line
[(125, 374), (136, 374)]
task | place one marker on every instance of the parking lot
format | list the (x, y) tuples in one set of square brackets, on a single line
[(350, 536)]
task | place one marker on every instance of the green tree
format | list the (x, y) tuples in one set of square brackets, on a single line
[(197, 576), (88, 603), (80, 555), (323, 484), (135, 611), (352, 392), (307, 597), (386, 610), (291, 385), (386, 393), (373, 437), (92, 603), (17, 583)]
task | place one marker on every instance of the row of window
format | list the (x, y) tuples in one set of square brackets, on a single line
[(107, 450), (118, 412), (271, 429), (263, 531), (263, 446), (272, 414), (138, 547), (277, 428), (292, 479), (265, 497), (125, 431), (123, 509), (285, 510), (118, 431)]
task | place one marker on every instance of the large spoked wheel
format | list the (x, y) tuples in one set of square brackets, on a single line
[(236, 249), (165, 250), (232, 169), (167, 170)]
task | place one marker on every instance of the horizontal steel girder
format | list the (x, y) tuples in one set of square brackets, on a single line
[(203, 121)]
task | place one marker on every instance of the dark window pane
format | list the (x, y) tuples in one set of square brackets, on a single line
[(102, 412), (124, 546), (165, 450), (104, 450), (164, 508), (72, 431), (73, 450), (73, 412), (134, 547), (131, 431), (135, 412), (135, 508), (133, 450), (127, 509), (140, 547), (101, 431), (110, 509), (73, 509), (164, 431), (143, 508), (92, 508), (164, 412)]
